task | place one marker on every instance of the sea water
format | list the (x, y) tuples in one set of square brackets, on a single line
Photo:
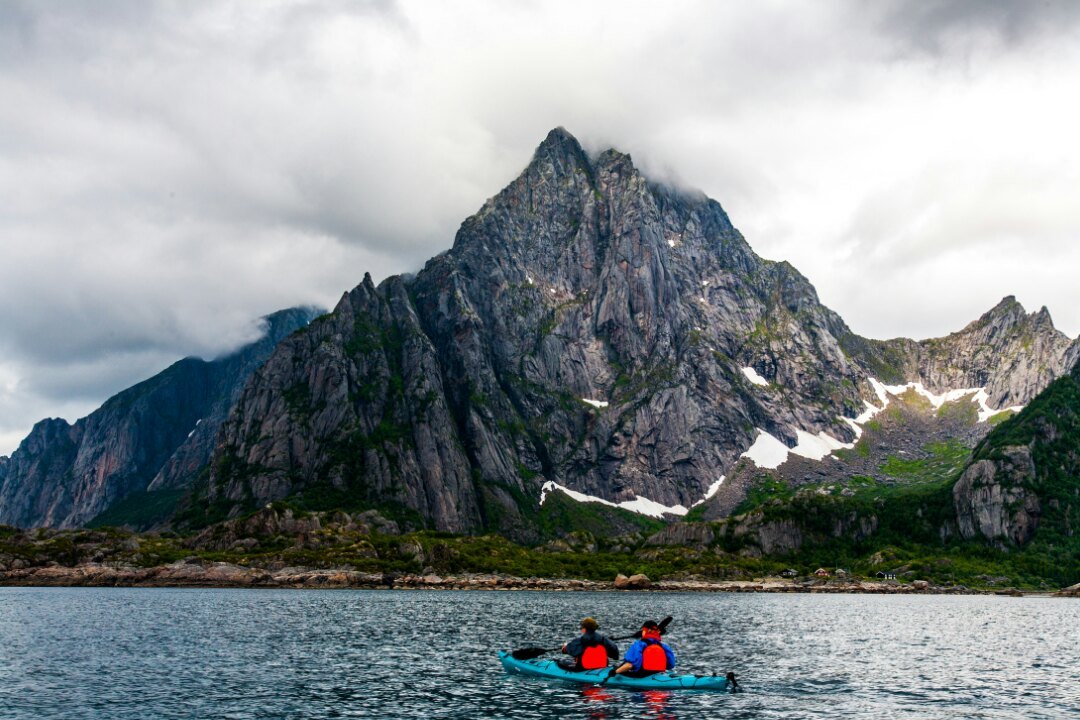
[(201, 653)]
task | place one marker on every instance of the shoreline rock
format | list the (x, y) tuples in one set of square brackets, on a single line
[(193, 572)]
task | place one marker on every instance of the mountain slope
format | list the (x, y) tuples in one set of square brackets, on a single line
[(155, 435), (588, 328)]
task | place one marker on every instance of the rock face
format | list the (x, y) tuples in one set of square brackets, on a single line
[(1024, 475), (587, 327), (992, 498), (1013, 354), (155, 435)]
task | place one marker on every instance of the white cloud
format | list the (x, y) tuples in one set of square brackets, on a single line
[(171, 171)]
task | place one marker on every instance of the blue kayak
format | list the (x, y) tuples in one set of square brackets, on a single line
[(657, 681)]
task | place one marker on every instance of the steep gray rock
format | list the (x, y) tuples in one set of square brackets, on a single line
[(588, 327), (1014, 354), (353, 407), (993, 499), (581, 281), (155, 435)]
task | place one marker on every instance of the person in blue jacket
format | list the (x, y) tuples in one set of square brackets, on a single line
[(648, 655)]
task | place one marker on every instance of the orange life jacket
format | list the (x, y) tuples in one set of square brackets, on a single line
[(653, 658), (594, 657)]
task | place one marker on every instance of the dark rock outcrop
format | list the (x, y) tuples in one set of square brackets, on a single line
[(156, 435), (1024, 477), (993, 499)]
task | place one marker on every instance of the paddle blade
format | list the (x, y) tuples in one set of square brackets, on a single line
[(528, 653)]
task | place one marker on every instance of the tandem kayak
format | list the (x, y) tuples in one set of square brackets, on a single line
[(657, 681)]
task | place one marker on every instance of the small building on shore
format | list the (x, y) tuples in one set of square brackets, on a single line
[(821, 572)]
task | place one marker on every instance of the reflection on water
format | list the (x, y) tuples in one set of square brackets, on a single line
[(596, 699), (656, 703), (238, 654)]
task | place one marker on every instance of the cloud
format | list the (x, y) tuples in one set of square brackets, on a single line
[(172, 171), (940, 27)]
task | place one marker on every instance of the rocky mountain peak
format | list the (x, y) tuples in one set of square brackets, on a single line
[(559, 146)]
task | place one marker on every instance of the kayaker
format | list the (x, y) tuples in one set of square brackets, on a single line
[(648, 655), (590, 650)]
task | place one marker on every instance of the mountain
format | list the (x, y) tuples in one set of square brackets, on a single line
[(155, 436), (589, 332)]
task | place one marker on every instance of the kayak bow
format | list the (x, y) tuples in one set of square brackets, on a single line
[(658, 681)]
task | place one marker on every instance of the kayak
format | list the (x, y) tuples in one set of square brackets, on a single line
[(657, 681)]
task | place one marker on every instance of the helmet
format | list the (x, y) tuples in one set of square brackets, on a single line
[(650, 630)]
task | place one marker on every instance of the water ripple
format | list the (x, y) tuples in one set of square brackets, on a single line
[(245, 655)]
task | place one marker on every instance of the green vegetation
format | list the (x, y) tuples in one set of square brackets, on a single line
[(139, 510), (963, 411), (1050, 427), (560, 514), (945, 460), (766, 489)]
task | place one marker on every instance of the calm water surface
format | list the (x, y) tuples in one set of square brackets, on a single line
[(156, 653)]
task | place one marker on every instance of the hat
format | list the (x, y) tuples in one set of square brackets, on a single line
[(650, 625), (589, 624)]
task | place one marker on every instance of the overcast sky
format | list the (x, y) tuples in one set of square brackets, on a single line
[(171, 171)]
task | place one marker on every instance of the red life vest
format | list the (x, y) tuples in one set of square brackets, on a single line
[(594, 657), (653, 658)]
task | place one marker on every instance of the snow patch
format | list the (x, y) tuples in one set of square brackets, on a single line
[(769, 452), (196, 426), (752, 375), (671, 243), (596, 403), (711, 491), (529, 279), (979, 395), (640, 505)]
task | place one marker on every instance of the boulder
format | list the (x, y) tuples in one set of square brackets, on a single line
[(639, 582), (1071, 591), (622, 582), (920, 585)]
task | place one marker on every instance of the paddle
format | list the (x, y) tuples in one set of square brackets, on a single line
[(535, 652)]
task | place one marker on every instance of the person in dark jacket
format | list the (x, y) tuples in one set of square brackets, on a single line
[(590, 650), (647, 655)]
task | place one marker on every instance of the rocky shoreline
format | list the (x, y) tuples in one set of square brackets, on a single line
[(197, 573)]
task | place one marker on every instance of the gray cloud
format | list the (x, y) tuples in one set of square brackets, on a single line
[(940, 27), (171, 170)]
